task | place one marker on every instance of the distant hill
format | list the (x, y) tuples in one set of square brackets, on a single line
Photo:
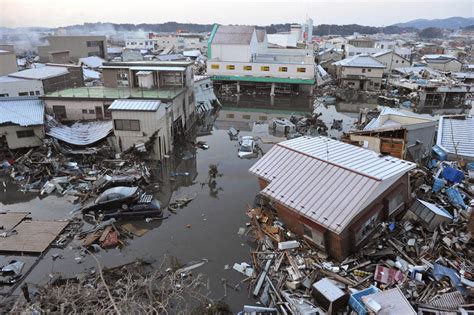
[(455, 22)]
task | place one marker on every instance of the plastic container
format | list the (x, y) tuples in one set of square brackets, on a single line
[(439, 153), (355, 301)]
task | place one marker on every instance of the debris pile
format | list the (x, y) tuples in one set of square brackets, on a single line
[(82, 173), (423, 261), (136, 287)]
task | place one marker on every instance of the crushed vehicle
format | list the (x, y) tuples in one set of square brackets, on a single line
[(247, 147), (124, 201), (283, 125)]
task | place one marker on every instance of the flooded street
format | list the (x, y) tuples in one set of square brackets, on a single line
[(204, 229)]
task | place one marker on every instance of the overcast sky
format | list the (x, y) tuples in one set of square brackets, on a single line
[(54, 13)]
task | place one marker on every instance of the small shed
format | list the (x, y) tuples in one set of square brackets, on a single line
[(21, 122), (329, 296), (430, 214)]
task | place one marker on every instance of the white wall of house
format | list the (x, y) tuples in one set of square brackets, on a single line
[(76, 108), (393, 61), (20, 87), (256, 70), (16, 142), (235, 52), (368, 72), (150, 122), (453, 65)]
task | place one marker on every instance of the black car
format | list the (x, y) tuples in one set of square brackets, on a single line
[(124, 201)]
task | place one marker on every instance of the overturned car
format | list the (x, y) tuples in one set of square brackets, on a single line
[(123, 202)]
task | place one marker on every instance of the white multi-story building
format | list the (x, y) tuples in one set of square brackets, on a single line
[(241, 54), (12, 87), (141, 43)]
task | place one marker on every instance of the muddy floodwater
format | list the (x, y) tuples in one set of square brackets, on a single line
[(207, 228)]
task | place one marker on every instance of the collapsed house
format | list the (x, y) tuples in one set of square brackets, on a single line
[(21, 122), (456, 137), (331, 193), (401, 134), (446, 63), (136, 121), (207, 103), (429, 91)]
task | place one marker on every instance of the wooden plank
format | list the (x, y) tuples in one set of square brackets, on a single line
[(33, 236), (8, 220)]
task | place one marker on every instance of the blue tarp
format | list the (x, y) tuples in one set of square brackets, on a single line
[(438, 184), (440, 271), (453, 175), (454, 196)]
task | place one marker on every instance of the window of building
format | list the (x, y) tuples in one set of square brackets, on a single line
[(84, 111), (37, 92), (94, 43), (91, 111), (230, 67), (122, 78), (215, 67), (367, 227), (396, 61), (32, 93), (248, 68), (403, 61), (300, 69), (4, 95), (265, 68), (127, 124), (229, 116), (25, 133), (283, 69), (107, 112), (369, 70), (395, 203), (315, 236), (376, 84), (262, 118), (247, 117), (363, 70), (23, 94), (59, 111)]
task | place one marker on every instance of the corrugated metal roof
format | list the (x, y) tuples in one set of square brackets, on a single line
[(376, 123), (360, 61), (233, 34), (456, 135), (181, 69), (450, 301), (82, 133), (41, 73), (325, 180), (135, 105), (23, 111)]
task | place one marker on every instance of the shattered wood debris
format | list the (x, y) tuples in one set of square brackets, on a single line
[(83, 173), (140, 287), (426, 257)]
